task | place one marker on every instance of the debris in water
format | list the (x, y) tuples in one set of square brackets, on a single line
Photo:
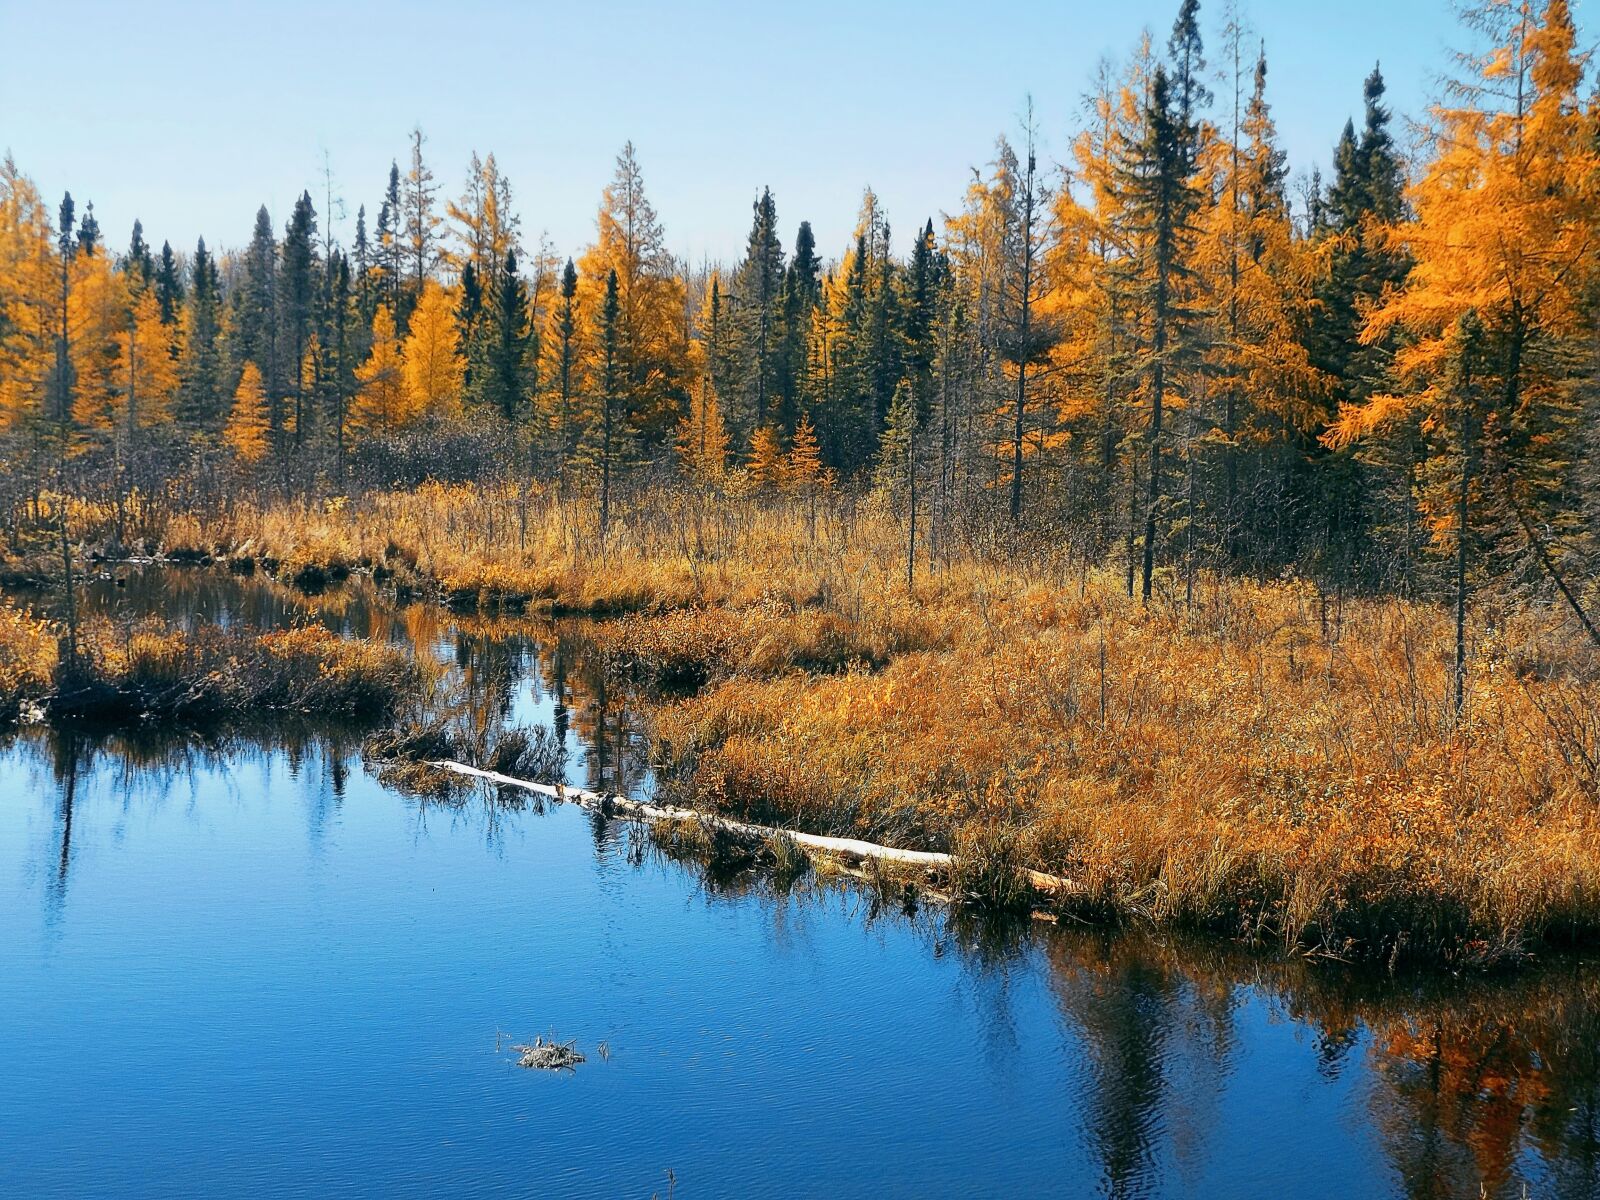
[(549, 1056)]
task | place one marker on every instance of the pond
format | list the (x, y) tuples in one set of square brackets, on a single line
[(244, 964)]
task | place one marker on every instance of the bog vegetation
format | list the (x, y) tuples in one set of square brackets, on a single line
[(1226, 545)]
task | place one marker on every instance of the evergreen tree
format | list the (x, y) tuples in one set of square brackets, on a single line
[(140, 264), (898, 467), (254, 332), (512, 345), (169, 285), (297, 290), (343, 318), (919, 308), (567, 427), (88, 231), (200, 388), (801, 293), (759, 291)]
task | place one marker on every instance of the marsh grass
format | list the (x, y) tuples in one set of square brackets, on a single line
[(147, 670), (1263, 760)]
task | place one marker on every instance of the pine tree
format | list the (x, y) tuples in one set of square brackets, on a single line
[(88, 232), (389, 258), (924, 285), (343, 315), (1366, 490), (802, 289), (62, 383), (254, 331)]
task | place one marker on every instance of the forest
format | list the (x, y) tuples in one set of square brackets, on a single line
[(1224, 540)]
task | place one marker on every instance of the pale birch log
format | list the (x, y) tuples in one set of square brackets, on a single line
[(848, 848)]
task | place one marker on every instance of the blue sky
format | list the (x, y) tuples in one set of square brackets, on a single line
[(189, 115)]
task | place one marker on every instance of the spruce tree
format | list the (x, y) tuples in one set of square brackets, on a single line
[(254, 335), (1162, 200), (140, 264), (169, 285), (511, 342), (759, 292), (200, 384), (801, 291), (299, 285), (566, 332)]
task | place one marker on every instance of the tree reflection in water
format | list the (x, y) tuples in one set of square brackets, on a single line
[(1471, 1086)]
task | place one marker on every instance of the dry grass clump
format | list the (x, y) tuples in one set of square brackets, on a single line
[(205, 676), (27, 660), (509, 547), (688, 647), (1228, 768)]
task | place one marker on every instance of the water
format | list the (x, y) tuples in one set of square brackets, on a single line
[(246, 966)]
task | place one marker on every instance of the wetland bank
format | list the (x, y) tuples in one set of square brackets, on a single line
[(1102, 695), (303, 969)]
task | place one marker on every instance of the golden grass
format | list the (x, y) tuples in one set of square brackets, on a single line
[(207, 676), (1263, 762), (1227, 767)]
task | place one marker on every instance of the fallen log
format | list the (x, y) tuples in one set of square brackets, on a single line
[(814, 844)]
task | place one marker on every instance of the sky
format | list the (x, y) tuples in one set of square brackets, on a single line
[(191, 115)]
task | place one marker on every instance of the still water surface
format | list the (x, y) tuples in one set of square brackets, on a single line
[(247, 967)]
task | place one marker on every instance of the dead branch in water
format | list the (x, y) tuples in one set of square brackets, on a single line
[(934, 864)]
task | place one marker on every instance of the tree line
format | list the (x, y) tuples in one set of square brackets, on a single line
[(1158, 348)]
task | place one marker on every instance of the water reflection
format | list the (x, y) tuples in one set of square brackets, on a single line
[(1162, 1066)]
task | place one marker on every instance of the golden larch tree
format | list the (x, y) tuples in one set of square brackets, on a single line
[(1504, 226), (382, 402), (249, 424), (433, 367)]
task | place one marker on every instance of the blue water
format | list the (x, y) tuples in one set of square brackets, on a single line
[(250, 968)]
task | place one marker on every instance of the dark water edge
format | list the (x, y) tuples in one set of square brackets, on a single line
[(243, 964)]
